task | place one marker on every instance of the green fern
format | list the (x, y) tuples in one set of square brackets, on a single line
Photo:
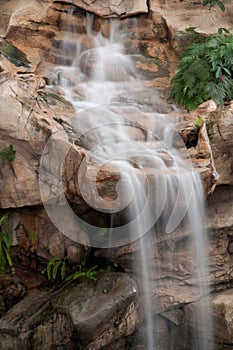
[(57, 269), (91, 274), (56, 265), (205, 71)]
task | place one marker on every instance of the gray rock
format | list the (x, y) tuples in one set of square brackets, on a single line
[(85, 315)]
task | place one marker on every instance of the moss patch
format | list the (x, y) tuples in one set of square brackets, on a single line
[(13, 54)]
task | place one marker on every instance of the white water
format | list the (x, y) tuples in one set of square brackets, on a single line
[(157, 183)]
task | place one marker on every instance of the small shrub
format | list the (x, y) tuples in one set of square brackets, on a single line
[(8, 154), (205, 72)]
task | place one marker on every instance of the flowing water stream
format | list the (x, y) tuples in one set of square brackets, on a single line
[(157, 185)]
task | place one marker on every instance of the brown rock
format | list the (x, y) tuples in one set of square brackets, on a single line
[(220, 133), (88, 315), (12, 289), (112, 8), (222, 311)]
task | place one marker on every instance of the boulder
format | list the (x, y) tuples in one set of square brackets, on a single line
[(26, 124), (87, 315), (112, 8), (222, 316)]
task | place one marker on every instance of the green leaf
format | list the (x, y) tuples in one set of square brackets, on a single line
[(226, 70), (218, 72), (32, 235), (50, 265), (90, 274), (55, 269), (5, 244), (213, 3), (225, 30), (101, 234), (3, 218), (198, 123), (8, 257), (63, 270), (197, 77), (75, 275), (221, 5), (8, 154)]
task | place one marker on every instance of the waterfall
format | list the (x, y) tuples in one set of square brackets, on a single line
[(158, 190)]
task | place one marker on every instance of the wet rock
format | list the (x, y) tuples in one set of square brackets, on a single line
[(30, 114), (2, 306), (222, 316), (179, 16), (117, 345), (117, 68), (170, 262), (35, 240), (111, 8), (12, 290), (85, 316)]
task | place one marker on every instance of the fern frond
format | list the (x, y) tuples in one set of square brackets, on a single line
[(205, 71)]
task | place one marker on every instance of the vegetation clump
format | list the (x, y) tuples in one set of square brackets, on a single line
[(205, 72), (13, 54), (8, 154), (212, 3), (58, 268)]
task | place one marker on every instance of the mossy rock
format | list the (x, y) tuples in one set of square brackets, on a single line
[(13, 54)]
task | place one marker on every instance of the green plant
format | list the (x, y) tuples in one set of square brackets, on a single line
[(32, 233), (57, 267), (13, 54), (91, 274), (8, 154), (223, 30), (212, 3), (186, 37), (198, 122), (5, 244), (205, 72)]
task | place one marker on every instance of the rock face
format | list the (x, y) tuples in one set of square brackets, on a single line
[(112, 8), (106, 314), (222, 308), (220, 131), (87, 315)]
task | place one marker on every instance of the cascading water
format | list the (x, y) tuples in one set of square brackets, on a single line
[(157, 186)]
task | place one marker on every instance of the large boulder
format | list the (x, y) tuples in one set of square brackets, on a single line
[(26, 124), (87, 315), (112, 8)]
